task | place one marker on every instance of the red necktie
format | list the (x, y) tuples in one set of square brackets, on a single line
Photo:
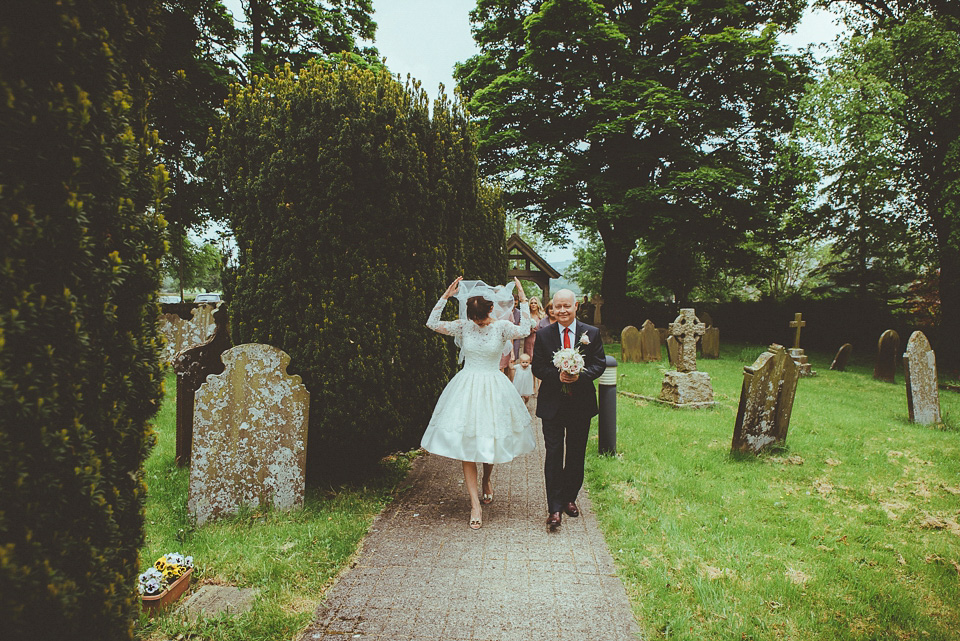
[(566, 338)]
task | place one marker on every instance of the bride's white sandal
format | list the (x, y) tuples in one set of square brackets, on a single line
[(476, 524), (487, 499)]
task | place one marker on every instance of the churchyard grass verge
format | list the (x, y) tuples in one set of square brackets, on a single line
[(849, 532), (289, 557)]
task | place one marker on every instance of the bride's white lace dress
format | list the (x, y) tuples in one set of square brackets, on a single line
[(480, 416)]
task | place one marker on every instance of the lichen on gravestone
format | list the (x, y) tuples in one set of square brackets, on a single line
[(250, 435)]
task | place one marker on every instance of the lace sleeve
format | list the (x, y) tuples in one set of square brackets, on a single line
[(513, 332), (450, 328)]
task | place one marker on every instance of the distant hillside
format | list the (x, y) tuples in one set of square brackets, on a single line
[(563, 283)]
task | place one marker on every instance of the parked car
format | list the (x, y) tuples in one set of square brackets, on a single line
[(207, 298), (168, 298)]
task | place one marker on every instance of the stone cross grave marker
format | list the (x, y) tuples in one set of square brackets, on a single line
[(687, 329), (840, 361), (250, 435), (920, 370), (801, 359), (766, 401), (799, 324), (888, 348), (598, 305), (710, 343), (686, 387), (630, 345), (649, 342)]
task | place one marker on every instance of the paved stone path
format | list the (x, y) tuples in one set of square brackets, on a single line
[(423, 575)]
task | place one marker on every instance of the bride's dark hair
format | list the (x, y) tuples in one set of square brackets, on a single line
[(478, 308)]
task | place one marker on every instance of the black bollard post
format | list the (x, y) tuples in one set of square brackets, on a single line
[(607, 391)]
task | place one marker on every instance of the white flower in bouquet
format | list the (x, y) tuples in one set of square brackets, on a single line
[(570, 361)]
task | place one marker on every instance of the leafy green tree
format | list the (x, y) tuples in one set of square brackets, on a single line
[(353, 206), (199, 41), (80, 244), (643, 121), (914, 47), (196, 265), (295, 31), (852, 117)]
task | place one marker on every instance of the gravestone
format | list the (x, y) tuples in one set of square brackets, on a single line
[(706, 319), (840, 361), (192, 366), (673, 351), (797, 353), (597, 306), (920, 370), (686, 387), (664, 335), (630, 345), (710, 343), (180, 334), (766, 401), (888, 348), (250, 435), (649, 343)]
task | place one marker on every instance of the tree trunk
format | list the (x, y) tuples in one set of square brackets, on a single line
[(614, 285), (180, 238), (256, 34), (948, 348)]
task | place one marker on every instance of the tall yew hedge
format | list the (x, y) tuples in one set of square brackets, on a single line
[(353, 207), (79, 374)]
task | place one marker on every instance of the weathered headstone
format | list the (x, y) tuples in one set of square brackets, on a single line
[(920, 370), (706, 319), (180, 334), (630, 345), (710, 343), (673, 351), (888, 348), (250, 435), (192, 366), (766, 401), (840, 361), (649, 342), (686, 387)]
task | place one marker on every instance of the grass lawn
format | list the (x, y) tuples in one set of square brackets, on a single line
[(290, 557), (851, 532)]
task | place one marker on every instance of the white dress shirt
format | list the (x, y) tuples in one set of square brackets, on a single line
[(573, 333)]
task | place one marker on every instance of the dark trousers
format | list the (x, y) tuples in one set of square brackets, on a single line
[(564, 474)]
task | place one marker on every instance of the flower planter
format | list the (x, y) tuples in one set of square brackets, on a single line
[(171, 594)]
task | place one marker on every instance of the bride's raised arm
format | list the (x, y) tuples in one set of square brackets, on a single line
[(450, 328), (523, 329)]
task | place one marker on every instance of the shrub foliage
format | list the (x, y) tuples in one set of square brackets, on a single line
[(79, 252), (353, 208)]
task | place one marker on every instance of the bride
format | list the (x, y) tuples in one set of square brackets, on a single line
[(480, 417)]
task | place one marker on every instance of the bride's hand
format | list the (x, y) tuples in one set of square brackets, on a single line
[(453, 288), (523, 297)]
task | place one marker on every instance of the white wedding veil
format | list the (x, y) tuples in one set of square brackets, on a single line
[(500, 295)]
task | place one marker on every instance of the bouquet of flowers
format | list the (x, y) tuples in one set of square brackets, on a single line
[(568, 360), (167, 569)]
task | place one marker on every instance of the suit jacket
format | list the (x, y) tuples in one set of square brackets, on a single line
[(583, 402)]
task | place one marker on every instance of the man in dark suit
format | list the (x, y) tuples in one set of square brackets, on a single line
[(566, 414)]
